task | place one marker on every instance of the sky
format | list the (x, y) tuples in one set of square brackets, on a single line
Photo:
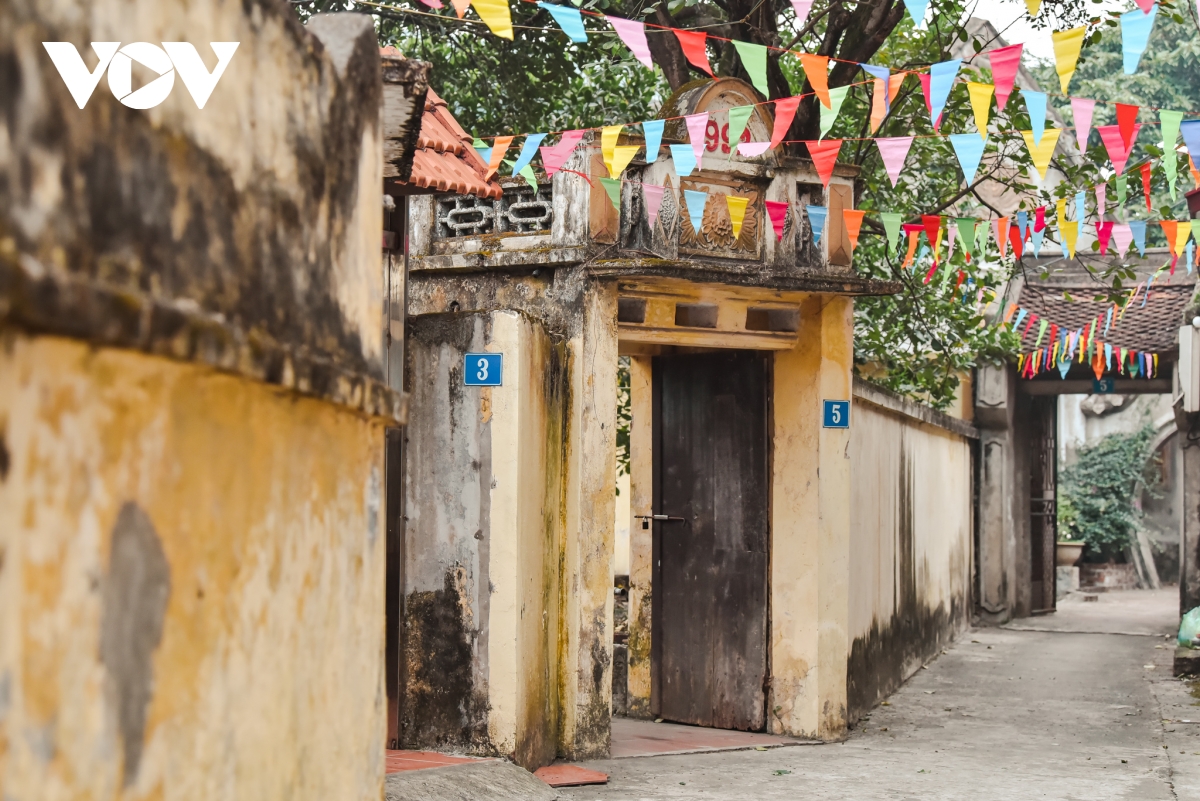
[(1013, 16)]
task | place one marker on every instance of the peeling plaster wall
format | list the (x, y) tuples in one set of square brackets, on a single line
[(910, 537), (191, 583), (485, 538)]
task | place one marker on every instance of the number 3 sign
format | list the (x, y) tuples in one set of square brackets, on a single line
[(483, 369)]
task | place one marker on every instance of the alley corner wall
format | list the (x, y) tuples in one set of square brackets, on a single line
[(192, 412)]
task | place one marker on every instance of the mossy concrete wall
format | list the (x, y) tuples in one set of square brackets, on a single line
[(191, 583)]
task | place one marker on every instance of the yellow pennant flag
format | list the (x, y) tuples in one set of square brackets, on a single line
[(608, 145), (499, 148), (1182, 232), (621, 156), (1067, 45), (737, 212), (460, 7), (981, 104), (1034, 7), (496, 15), (1060, 211), (1041, 153), (1070, 234)]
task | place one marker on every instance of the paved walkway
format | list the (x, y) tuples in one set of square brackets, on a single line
[(1004, 714)]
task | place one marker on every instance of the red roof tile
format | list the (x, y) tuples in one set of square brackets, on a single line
[(444, 160)]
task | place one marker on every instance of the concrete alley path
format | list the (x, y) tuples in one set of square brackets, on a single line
[(1002, 714)]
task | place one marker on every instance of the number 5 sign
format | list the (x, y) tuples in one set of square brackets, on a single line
[(483, 369), (837, 414)]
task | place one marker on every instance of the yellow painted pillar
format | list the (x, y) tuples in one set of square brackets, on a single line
[(810, 524), (590, 494), (641, 540)]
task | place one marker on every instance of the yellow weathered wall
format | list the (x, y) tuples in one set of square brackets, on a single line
[(910, 575), (641, 540), (267, 682), (810, 537)]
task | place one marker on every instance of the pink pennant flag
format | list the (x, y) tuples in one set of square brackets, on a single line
[(1101, 199), (752, 149), (696, 125), (777, 211), (554, 157), (1005, 62), (1114, 142), (1104, 232), (894, 150), (785, 112), (653, 194), (802, 8), (633, 34), (1082, 110), (1122, 237), (1145, 5)]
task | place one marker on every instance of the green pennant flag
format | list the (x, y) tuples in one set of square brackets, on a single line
[(891, 224), (966, 232), (828, 115), (738, 117), (613, 187), (1169, 121), (1041, 333), (529, 176), (1122, 189), (754, 59)]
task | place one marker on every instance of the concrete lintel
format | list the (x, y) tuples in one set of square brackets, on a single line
[(885, 399)]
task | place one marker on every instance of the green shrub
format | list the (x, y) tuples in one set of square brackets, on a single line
[(1096, 494)]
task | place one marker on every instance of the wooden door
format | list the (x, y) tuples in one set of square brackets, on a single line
[(1043, 506), (710, 582)]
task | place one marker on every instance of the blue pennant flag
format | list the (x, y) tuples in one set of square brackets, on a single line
[(1191, 136), (816, 221), (1135, 35), (969, 149), (569, 19), (1035, 241), (1107, 347), (1020, 316), (1080, 208), (941, 81), (1107, 322), (528, 151), (684, 158), (1139, 235), (653, 129), (1023, 223), (695, 205), (916, 8), (1035, 104), (483, 150), (882, 73), (1190, 254)]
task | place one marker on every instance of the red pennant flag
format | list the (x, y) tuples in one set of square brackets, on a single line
[(1032, 319), (1039, 219), (1145, 170), (1104, 234), (785, 112), (1014, 236), (925, 79), (694, 48), (931, 224), (824, 155), (777, 211), (1126, 119)]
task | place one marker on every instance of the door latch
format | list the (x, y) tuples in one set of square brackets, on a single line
[(661, 518)]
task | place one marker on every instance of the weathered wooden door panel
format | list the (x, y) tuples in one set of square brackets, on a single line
[(710, 585)]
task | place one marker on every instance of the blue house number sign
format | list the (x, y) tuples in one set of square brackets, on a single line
[(483, 369), (837, 414)]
